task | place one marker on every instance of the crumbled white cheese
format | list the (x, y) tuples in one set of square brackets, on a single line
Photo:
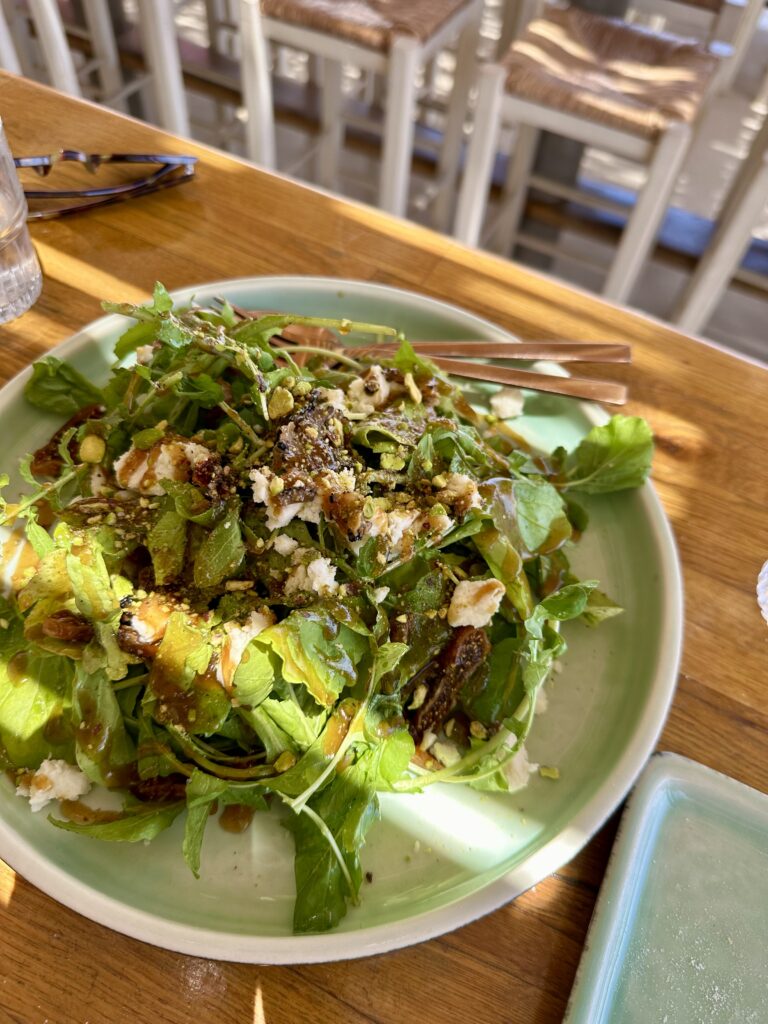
[(517, 770), (284, 545), (438, 524), (369, 392), (144, 354), (475, 602), (280, 515), (460, 488), (322, 576), (398, 522), (237, 639), (260, 485), (138, 470), (53, 780), (319, 575), (507, 403), (427, 740), (311, 511), (98, 480), (334, 397), (446, 753)]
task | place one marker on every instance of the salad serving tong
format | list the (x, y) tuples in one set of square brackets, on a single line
[(443, 354)]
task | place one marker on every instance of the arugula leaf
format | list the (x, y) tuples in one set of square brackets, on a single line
[(498, 695), (167, 542), (299, 726), (348, 807), (201, 792), (59, 388), (316, 652), (190, 502), (103, 746), (254, 676), (138, 823), (315, 760), (611, 458), (599, 608), (186, 696), (567, 603), (540, 512), (142, 333), (35, 700), (222, 552)]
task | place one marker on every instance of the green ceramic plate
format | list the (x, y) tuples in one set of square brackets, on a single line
[(438, 859)]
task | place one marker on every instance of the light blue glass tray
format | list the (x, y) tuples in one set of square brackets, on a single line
[(680, 930)]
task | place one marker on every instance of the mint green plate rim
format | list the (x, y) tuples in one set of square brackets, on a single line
[(41, 871)]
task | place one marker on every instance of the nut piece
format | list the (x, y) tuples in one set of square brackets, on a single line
[(280, 403), (92, 448)]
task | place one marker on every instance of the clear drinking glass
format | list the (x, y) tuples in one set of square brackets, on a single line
[(20, 276)]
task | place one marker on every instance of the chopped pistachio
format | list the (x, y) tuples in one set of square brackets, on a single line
[(393, 462), (280, 403), (301, 388), (276, 485), (478, 730), (92, 448), (439, 481), (546, 772)]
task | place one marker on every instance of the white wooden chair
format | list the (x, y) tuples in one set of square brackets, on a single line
[(600, 82), (746, 200), (156, 24), (9, 59), (395, 41)]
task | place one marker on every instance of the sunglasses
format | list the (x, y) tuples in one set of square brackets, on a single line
[(171, 170)]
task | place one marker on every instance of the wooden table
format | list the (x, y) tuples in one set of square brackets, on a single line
[(708, 411)]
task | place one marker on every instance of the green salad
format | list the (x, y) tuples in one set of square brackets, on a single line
[(263, 575)]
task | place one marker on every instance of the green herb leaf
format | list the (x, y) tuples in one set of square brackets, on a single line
[(202, 791), (139, 823), (611, 458), (59, 388), (167, 542), (103, 747), (222, 552), (348, 806)]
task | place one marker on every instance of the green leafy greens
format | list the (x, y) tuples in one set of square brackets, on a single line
[(284, 577)]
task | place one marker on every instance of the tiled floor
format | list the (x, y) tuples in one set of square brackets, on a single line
[(730, 124)]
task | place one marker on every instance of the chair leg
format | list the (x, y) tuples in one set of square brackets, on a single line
[(643, 225), (257, 87), (515, 189), (399, 124), (331, 125), (450, 153), (53, 42), (723, 254), (158, 35), (473, 195), (105, 49), (8, 57)]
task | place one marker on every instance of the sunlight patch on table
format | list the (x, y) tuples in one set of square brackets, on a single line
[(90, 279), (7, 884), (258, 1005)]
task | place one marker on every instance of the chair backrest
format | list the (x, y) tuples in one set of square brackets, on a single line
[(9, 59)]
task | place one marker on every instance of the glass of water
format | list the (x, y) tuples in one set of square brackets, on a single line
[(20, 276)]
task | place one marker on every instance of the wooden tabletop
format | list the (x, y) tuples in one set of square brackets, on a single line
[(708, 411)]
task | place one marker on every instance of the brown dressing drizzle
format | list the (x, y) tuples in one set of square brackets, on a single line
[(236, 818)]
